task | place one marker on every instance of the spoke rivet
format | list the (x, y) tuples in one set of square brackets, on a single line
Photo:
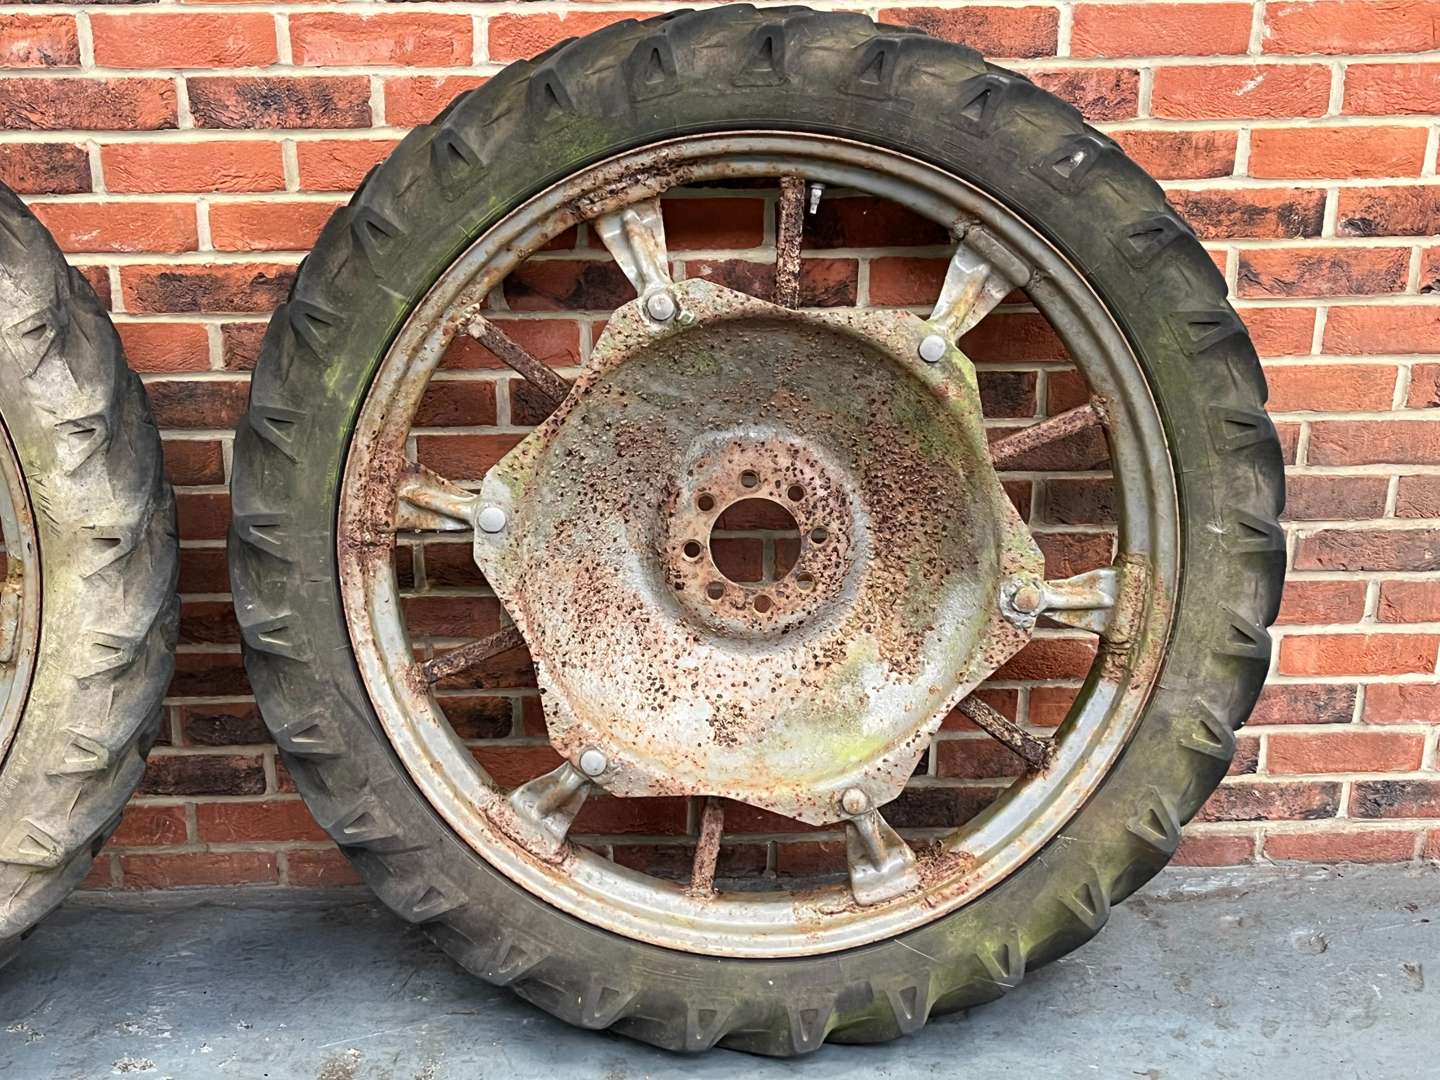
[(660, 306), (593, 762), (1027, 599), (492, 519), (932, 348), (854, 801)]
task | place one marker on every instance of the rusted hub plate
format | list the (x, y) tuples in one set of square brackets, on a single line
[(783, 695)]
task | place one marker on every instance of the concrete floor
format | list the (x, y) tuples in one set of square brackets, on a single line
[(1275, 974)]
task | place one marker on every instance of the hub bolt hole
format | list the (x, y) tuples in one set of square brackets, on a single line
[(819, 534), (804, 582), (705, 503), (692, 549), (795, 493), (763, 603), (749, 479), (715, 590)]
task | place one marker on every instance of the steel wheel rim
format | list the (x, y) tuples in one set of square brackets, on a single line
[(981, 853), (19, 593)]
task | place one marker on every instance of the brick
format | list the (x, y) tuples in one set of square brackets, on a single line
[(240, 345), (1278, 331), (1318, 153), (1430, 271), (87, 104), (1304, 703), (250, 822), (864, 221), (413, 40), (199, 868), (1340, 751), (98, 278), (1336, 27), (211, 287), (190, 462), (451, 616), (1401, 703), (1180, 155), (1269, 213), (197, 167), (1050, 658), (184, 40), (456, 404), (463, 457), (1210, 849), (1358, 654), (1418, 497), (1151, 29), (1371, 845), (1409, 601), (906, 280), (268, 226), (1246, 761), (994, 31), (655, 817), (518, 37), (567, 285), (208, 622), (156, 348), (1099, 93), (1298, 272), (1392, 89), (194, 403), (1389, 211), (203, 774), (339, 164), (417, 99), (1240, 91), (1049, 705), (328, 867), (975, 759), (222, 725), (1363, 329), (1334, 498), (1395, 799), (1374, 442), (1326, 387), (45, 168), (108, 227), (692, 224), (38, 41), (555, 341), (208, 674), (203, 516), (150, 826), (1269, 801), (1424, 392), (823, 282), (341, 101), (1322, 602)]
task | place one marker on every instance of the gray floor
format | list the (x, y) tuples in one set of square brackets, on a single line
[(1271, 974)]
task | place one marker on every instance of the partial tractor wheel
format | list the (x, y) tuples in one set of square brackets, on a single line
[(760, 802), (87, 576)]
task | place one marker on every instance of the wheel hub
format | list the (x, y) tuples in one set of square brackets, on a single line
[(809, 696)]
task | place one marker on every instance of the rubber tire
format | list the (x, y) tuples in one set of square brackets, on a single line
[(81, 428), (742, 68)]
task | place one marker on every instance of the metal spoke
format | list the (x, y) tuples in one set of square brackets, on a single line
[(1034, 750), (1086, 600), (787, 241), (543, 810), (882, 866), (707, 848), (1010, 449), (973, 288), (430, 503), (472, 653), (635, 237), (548, 382)]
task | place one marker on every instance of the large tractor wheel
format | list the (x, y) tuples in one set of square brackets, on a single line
[(811, 694), (87, 576)]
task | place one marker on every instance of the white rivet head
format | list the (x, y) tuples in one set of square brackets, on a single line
[(854, 801), (593, 762), (932, 348), (492, 519), (660, 306)]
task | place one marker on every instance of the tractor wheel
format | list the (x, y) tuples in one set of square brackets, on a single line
[(616, 849), (88, 608)]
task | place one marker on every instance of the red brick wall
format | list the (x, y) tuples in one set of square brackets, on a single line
[(186, 157)]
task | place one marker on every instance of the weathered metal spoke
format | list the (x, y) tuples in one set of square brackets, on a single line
[(1010, 449), (472, 653), (551, 384), (635, 237), (1086, 600), (973, 288), (427, 502), (1035, 751), (543, 810), (788, 235), (882, 866), (707, 848)]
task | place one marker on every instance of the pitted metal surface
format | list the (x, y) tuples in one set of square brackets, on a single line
[(785, 695)]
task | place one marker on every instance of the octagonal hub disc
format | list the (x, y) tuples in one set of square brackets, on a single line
[(784, 695)]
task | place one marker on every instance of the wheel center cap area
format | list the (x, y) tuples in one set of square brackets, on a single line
[(810, 695)]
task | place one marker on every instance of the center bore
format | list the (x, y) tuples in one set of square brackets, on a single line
[(756, 542)]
